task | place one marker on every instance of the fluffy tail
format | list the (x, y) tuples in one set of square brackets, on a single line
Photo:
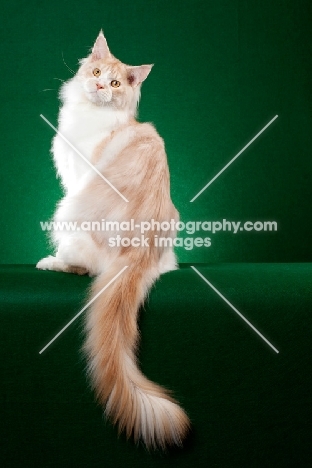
[(140, 407)]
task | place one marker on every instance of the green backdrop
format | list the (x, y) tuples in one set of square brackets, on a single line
[(222, 71), (249, 407)]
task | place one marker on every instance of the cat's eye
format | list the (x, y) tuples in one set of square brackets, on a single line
[(115, 84), (96, 72)]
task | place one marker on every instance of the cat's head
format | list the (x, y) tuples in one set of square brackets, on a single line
[(108, 82)]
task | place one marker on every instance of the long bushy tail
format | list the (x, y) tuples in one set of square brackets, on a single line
[(140, 407)]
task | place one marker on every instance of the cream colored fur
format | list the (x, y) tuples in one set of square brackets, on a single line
[(99, 120)]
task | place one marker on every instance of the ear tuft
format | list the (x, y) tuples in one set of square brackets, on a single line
[(100, 49), (137, 75)]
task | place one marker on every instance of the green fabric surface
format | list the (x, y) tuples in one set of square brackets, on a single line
[(249, 406), (223, 69)]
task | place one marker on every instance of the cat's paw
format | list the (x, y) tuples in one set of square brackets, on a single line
[(51, 263), (55, 264)]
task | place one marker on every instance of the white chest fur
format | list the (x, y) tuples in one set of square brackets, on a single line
[(84, 125)]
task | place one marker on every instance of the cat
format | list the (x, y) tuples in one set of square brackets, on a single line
[(98, 117)]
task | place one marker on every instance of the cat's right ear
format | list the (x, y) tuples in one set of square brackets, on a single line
[(100, 50)]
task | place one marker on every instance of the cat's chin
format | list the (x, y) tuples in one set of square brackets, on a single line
[(98, 98)]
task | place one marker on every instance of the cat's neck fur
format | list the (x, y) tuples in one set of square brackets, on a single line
[(77, 110)]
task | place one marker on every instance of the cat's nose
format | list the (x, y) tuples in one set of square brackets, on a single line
[(99, 86)]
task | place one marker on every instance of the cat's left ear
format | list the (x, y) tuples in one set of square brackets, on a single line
[(100, 49), (137, 75)]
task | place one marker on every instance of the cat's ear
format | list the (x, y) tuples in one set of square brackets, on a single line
[(138, 74), (100, 49)]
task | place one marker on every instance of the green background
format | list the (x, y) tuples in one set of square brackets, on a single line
[(223, 69), (249, 406)]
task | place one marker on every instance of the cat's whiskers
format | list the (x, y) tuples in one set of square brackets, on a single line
[(52, 89), (72, 71)]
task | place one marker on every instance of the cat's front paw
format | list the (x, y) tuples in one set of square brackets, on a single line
[(45, 263), (51, 263), (55, 264)]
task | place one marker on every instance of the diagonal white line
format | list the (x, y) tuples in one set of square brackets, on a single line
[(85, 159), (235, 310), (233, 159), (85, 307)]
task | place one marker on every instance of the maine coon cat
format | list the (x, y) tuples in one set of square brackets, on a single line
[(98, 117)]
